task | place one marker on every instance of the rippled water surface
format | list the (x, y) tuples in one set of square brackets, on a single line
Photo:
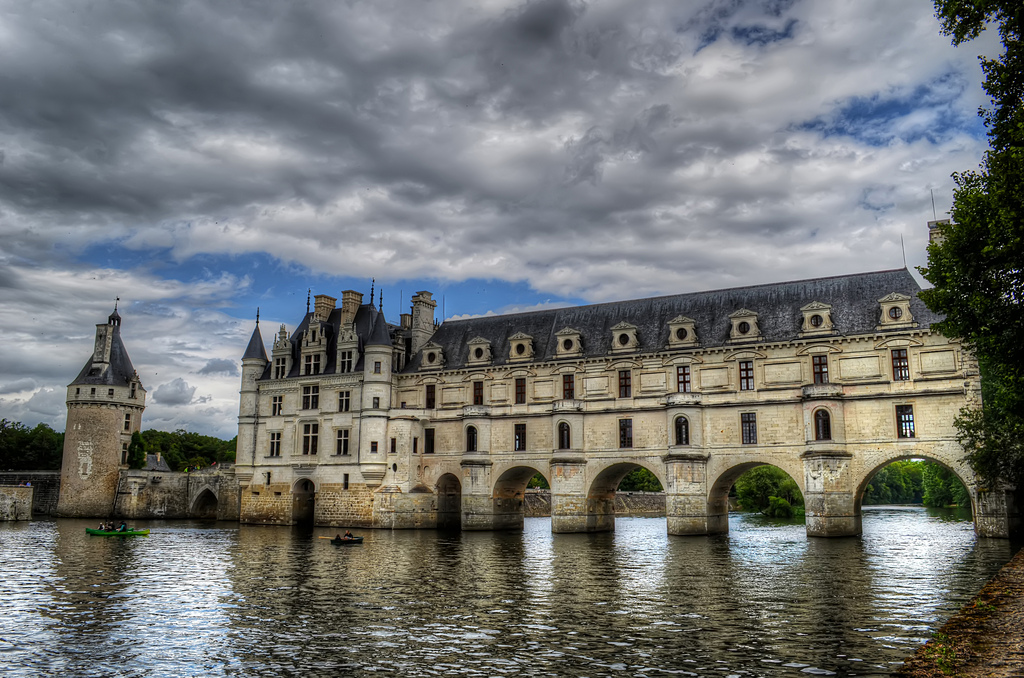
[(198, 599)]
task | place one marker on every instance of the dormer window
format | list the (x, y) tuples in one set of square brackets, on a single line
[(624, 338), (479, 351), (520, 347), (570, 343), (744, 326), (817, 319), (895, 311), (433, 356), (682, 332)]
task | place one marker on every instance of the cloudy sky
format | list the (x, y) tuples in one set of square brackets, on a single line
[(200, 159)]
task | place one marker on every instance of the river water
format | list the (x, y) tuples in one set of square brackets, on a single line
[(218, 599)]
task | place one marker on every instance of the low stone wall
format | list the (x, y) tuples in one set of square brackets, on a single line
[(148, 495), (537, 504), (46, 486), (16, 503)]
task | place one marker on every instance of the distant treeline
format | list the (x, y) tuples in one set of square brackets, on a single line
[(29, 449), (41, 448)]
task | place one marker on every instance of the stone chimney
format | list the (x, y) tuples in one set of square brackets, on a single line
[(423, 307), (323, 307), (406, 320), (350, 303), (935, 230)]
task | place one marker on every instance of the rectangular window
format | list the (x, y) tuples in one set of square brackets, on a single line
[(431, 396), (900, 365), (819, 364), (341, 447), (310, 435), (905, 421), (625, 384), (310, 397), (344, 401), (312, 364), (133, 390), (625, 433), (124, 453), (376, 367), (519, 444), (428, 441), (683, 378), (746, 375), (376, 402), (92, 391), (748, 423), (568, 386), (394, 446), (279, 368), (478, 393), (110, 392), (276, 405), (345, 361), (127, 422), (275, 444), (520, 390), (415, 445), (344, 481), (373, 447)]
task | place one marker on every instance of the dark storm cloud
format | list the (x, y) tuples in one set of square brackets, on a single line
[(220, 366)]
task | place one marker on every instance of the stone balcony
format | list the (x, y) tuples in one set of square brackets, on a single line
[(817, 391), (567, 405), (682, 399), (476, 411)]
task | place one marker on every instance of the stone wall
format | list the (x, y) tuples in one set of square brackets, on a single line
[(46, 485), (537, 504), (208, 494), (16, 503)]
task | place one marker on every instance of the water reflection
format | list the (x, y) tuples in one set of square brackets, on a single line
[(203, 599)]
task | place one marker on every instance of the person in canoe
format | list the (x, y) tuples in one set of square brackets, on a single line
[(123, 527), (348, 535)]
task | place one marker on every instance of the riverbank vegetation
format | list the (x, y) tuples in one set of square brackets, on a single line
[(29, 449), (184, 450)]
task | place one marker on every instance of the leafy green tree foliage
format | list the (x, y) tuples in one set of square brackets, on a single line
[(183, 449), (897, 483), (24, 449), (769, 490), (977, 268), (538, 482), (942, 487), (640, 480), (137, 451)]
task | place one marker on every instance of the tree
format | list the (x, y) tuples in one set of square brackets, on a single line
[(897, 483), (640, 480), (137, 451), (942, 487), (24, 449), (977, 267), (768, 490)]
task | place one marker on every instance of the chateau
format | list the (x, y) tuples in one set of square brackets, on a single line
[(354, 421)]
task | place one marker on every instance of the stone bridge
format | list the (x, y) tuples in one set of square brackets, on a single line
[(486, 491)]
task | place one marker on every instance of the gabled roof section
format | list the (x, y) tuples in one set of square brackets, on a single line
[(256, 349), (853, 298)]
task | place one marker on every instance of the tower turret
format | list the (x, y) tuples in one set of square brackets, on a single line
[(105, 405), (254, 365)]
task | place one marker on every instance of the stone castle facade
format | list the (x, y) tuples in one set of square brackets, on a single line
[(354, 421)]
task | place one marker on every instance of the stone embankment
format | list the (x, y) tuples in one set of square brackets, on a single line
[(985, 638), (537, 504), (45, 488)]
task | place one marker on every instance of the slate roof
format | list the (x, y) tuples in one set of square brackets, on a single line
[(119, 371), (854, 301), (256, 349)]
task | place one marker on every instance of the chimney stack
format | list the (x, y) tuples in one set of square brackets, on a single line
[(322, 307), (350, 303)]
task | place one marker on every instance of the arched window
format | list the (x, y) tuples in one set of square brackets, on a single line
[(822, 425), (564, 436), (471, 439), (682, 431)]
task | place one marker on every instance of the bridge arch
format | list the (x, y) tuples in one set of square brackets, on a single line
[(204, 505), (718, 491), (959, 470), (449, 501)]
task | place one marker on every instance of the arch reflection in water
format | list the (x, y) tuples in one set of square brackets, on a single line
[(200, 599)]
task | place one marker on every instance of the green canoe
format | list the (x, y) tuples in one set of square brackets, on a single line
[(126, 533)]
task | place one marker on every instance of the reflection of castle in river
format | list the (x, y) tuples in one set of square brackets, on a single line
[(351, 420)]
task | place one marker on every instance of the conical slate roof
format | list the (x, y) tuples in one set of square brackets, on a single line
[(379, 336), (118, 372), (256, 349)]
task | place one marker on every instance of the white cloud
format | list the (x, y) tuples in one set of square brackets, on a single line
[(176, 392)]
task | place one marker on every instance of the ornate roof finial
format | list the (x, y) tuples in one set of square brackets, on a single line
[(116, 299), (308, 292), (381, 304), (372, 282), (257, 315)]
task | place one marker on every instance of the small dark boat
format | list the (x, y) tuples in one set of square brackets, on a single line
[(347, 541), (115, 533)]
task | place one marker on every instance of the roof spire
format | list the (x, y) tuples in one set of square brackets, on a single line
[(308, 292), (381, 304), (116, 299), (372, 281), (257, 315)]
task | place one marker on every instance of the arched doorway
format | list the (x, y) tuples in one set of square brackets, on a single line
[(449, 502), (303, 502), (205, 506)]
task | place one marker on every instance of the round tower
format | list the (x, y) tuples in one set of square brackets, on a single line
[(254, 364), (105, 405)]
